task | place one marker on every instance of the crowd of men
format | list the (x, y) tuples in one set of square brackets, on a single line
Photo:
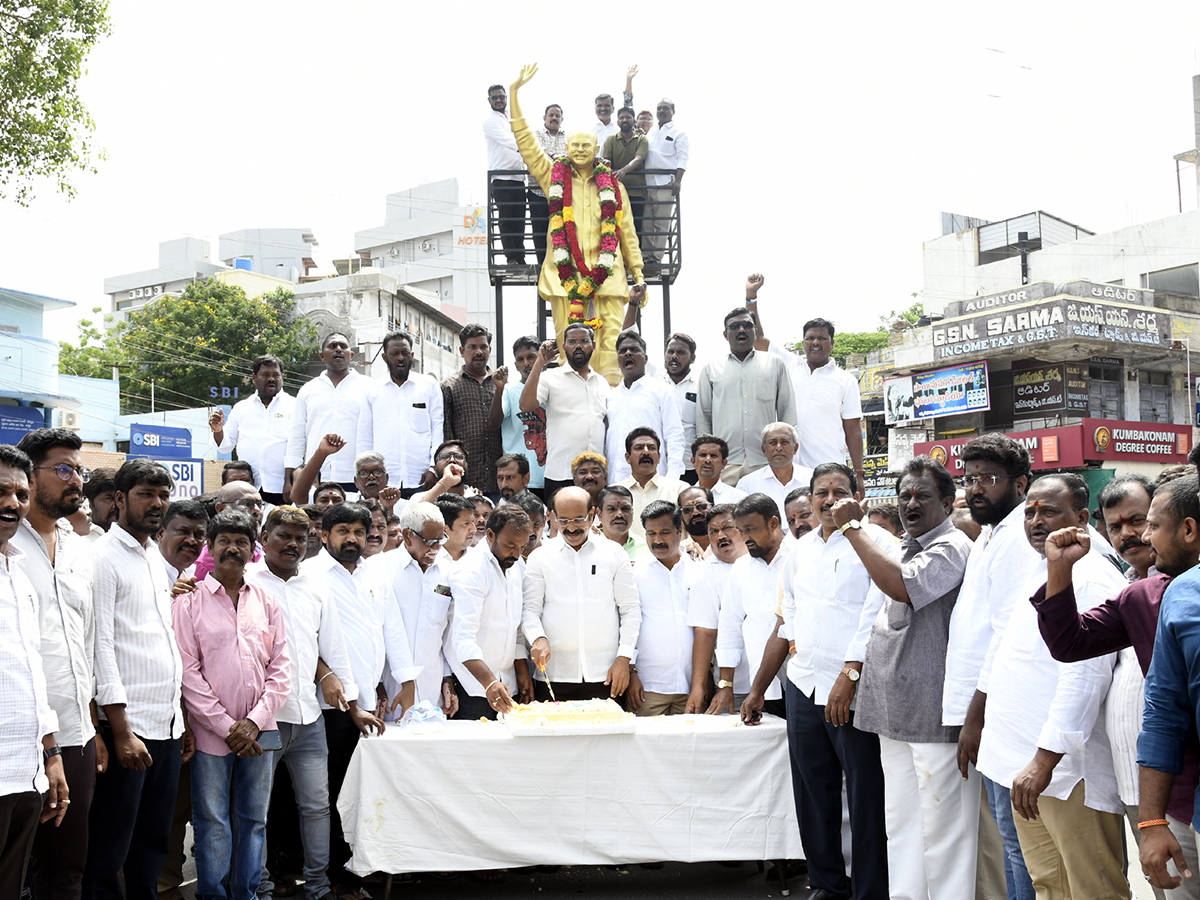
[(965, 678), (630, 142)]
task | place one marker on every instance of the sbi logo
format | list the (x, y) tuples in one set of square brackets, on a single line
[(145, 440)]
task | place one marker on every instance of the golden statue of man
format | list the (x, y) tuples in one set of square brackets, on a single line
[(607, 301)]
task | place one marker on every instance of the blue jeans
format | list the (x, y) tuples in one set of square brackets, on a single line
[(304, 751), (1015, 874), (230, 795)]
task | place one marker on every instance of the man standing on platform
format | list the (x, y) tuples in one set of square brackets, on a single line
[(641, 401), (627, 151), (402, 416), (509, 191), (668, 147), (553, 141), (491, 666), (580, 615), (739, 395), (829, 605), (329, 404), (574, 397), (58, 564), (663, 678), (258, 429), (467, 397), (781, 475)]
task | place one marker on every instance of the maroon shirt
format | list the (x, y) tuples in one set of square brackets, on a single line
[(1128, 620)]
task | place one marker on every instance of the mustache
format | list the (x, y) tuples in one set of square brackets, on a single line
[(230, 555), (1131, 543)]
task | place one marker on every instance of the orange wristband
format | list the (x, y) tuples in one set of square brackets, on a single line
[(1152, 823)]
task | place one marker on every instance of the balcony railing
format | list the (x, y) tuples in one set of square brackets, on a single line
[(659, 237)]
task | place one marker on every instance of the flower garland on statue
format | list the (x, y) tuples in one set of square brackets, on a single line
[(581, 283)]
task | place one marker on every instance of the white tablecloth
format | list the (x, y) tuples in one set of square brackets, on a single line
[(682, 788)]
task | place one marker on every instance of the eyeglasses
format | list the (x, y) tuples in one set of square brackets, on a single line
[(370, 473), (247, 503), (577, 520), (699, 506), (431, 542), (986, 481), (724, 529), (462, 457), (64, 472)]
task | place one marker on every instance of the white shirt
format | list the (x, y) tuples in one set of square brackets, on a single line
[(765, 481), (669, 147), (824, 398), (404, 423), (137, 660), (1123, 720), (829, 605), (664, 657), (68, 627), (585, 603), (24, 710), (260, 434), (323, 408), (727, 493), (709, 578), (685, 400), (1034, 701), (372, 627), (574, 417), (313, 630), (657, 488), (487, 617), (502, 152), (423, 600), (604, 132), (648, 401), (749, 614), (1000, 561)]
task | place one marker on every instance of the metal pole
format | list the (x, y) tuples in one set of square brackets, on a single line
[(666, 286), (151, 395), (499, 321), (541, 318)]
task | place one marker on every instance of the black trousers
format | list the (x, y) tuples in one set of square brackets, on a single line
[(130, 823), (820, 754), (539, 218), (341, 736), (569, 690), (59, 854), (19, 815), (510, 207), (470, 707), (551, 486), (268, 497)]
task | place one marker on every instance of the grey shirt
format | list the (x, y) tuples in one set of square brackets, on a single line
[(900, 694), (736, 399)]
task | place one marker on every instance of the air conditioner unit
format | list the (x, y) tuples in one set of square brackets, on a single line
[(426, 246), (70, 418)]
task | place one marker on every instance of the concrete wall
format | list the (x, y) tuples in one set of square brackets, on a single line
[(100, 411), (278, 252), (28, 363), (1118, 257), (25, 317)]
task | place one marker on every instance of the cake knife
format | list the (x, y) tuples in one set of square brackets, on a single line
[(549, 687)]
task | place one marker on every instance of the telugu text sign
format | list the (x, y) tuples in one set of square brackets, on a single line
[(1047, 389), (1061, 318), (942, 392)]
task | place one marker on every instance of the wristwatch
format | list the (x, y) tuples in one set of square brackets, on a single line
[(853, 523), (48, 752), (722, 684), (852, 674)]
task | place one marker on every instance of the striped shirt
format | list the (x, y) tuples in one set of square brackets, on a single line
[(137, 660)]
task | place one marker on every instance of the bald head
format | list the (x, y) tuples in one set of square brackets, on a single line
[(240, 495), (573, 508)]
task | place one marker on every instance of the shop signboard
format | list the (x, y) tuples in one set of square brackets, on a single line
[(1049, 448), (159, 440), (1047, 389), (1013, 330), (942, 392), (18, 421), (876, 474)]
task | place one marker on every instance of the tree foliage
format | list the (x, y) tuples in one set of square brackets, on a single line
[(95, 356), (848, 342), (206, 338), (45, 129)]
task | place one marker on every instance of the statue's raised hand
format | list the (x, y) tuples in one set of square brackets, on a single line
[(526, 76)]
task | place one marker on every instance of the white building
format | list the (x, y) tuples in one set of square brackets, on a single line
[(430, 242), (284, 253), (180, 262), (366, 306)]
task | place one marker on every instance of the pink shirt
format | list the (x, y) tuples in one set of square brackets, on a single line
[(235, 660), (205, 562)]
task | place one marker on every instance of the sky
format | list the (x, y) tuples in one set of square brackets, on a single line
[(826, 139)]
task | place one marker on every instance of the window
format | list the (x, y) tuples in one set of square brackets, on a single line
[(1154, 389), (1180, 280), (1105, 392)]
